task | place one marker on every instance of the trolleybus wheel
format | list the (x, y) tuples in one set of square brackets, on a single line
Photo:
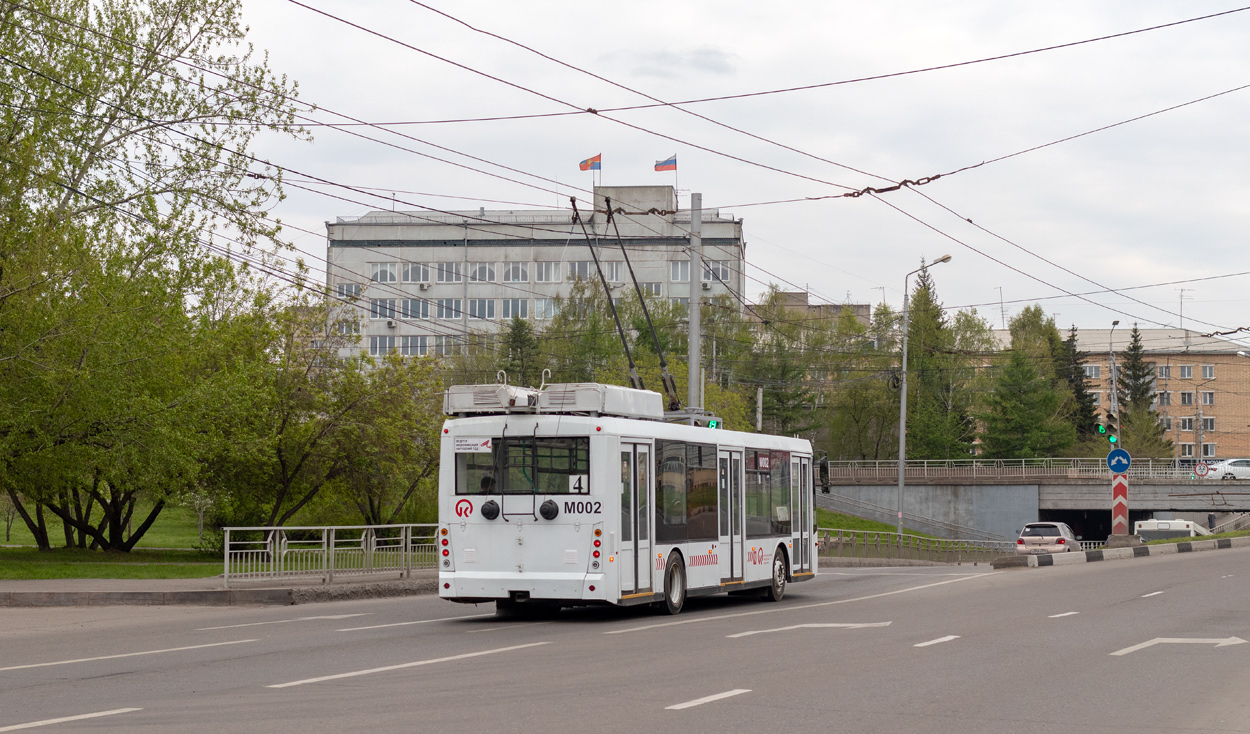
[(777, 588), (674, 584)]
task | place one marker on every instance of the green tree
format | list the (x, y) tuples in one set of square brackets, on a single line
[(1141, 431), (1084, 416), (520, 354), (1024, 416)]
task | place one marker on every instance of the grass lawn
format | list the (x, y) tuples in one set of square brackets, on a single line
[(838, 521), (74, 563), (175, 527), (1237, 534)]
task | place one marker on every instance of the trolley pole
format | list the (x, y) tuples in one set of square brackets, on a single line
[(696, 277)]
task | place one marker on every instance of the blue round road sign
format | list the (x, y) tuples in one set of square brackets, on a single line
[(1118, 461)]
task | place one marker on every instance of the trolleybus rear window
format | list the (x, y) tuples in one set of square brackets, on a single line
[(527, 465)]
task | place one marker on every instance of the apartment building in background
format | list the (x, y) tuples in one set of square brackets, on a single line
[(422, 282)]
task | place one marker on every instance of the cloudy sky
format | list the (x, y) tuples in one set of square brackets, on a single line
[(1154, 201)]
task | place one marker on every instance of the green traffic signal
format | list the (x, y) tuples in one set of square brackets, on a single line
[(713, 423), (1112, 438), (1102, 428)]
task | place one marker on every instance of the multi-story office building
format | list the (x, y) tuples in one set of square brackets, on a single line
[(1202, 386), (423, 281)]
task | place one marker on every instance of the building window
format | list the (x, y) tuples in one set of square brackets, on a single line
[(1208, 372), (380, 345), (382, 308), (1187, 450), (680, 271), (382, 272), (1208, 424), (1167, 422), (518, 307), (448, 272), (1187, 372), (1164, 398), (652, 288), (412, 346), (581, 270), (481, 272), (481, 308), (414, 308), (347, 327), (416, 273), (1165, 371), (1208, 398), (716, 270), (1093, 371), (1208, 450), (684, 303), (347, 290), (544, 308), (1187, 398), (447, 308), (516, 272), (613, 270), (1097, 397), (547, 272), (445, 345), (1187, 424)]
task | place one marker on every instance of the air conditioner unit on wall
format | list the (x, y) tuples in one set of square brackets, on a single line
[(424, 286), (390, 323), (707, 285)]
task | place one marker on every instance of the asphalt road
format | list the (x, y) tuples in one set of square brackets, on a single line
[(948, 649)]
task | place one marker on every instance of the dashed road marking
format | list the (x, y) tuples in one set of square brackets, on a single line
[(124, 655), (419, 621), (1153, 593), (401, 666), (283, 621), (947, 638), (63, 719), (837, 625), (1065, 614), (707, 699)]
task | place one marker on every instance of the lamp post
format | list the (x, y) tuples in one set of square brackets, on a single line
[(1115, 402), (902, 404)]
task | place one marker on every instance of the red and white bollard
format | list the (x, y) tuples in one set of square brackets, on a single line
[(1119, 504)]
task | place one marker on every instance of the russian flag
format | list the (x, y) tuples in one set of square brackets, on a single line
[(668, 164), (592, 164)]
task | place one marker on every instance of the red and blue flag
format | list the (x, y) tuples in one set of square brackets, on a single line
[(592, 164)]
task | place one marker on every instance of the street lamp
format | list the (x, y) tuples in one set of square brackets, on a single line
[(1115, 403), (902, 405)]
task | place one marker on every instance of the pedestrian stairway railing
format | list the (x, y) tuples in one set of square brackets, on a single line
[(327, 552), (832, 543), (881, 471), (1241, 522)]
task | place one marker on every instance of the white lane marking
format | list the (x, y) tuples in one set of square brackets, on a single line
[(64, 719), (707, 699), (506, 627), (790, 609), (947, 638), (124, 655), (384, 669), (420, 621), (283, 621), (1065, 614), (1224, 642), (879, 573), (841, 625), (1153, 593)]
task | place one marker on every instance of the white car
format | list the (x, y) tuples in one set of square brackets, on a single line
[(1230, 469)]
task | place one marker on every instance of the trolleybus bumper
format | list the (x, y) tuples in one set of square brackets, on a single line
[(480, 586)]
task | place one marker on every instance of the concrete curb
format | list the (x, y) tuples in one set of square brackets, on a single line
[(219, 597), (1111, 554)]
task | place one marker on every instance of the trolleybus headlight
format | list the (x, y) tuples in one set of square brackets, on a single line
[(490, 510), (549, 510)]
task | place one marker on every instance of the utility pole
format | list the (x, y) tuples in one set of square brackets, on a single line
[(759, 409), (696, 277)]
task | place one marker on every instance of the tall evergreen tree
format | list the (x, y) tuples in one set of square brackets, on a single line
[(1084, 416), (1024, 418), (1141, 431)]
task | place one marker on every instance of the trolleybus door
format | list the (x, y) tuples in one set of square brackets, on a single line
[(729, 481), (805, 513), (636, 493)]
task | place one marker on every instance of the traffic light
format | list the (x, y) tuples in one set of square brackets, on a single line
[(1109, 429)]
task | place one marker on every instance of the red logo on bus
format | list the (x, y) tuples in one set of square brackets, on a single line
[(464, 508)]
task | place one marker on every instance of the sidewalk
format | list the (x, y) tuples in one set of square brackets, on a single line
[(211, 591)]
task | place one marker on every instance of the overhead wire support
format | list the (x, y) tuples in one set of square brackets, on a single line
[(670, 385), (634, 380)]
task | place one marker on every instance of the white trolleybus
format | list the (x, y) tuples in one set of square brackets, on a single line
[(579, 494)]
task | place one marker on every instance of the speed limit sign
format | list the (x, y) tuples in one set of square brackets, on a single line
[(1201, 469)]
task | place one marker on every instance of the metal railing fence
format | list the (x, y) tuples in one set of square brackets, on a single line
[(1173, 469), (832, 543), (326, 552), (1241, 522)]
